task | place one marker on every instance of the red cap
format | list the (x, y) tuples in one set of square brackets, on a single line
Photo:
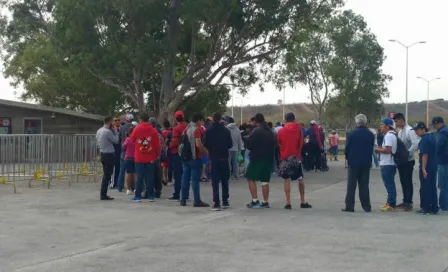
[(178, 114)]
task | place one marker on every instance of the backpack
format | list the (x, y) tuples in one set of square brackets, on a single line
[(401, 155), (185, 151)]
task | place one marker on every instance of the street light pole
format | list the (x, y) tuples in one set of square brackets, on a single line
[(427, 98), (407, 67)]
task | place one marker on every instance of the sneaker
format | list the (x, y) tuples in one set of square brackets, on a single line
[(216, 207), (151, 199), (305, 205), (158, 194), (405, 207), (136, 199), (225, 205), (201, 205), (265, 205), (128, 192), (173, 199), (183, 203), (254, 205), (387, 208), (288, 207)]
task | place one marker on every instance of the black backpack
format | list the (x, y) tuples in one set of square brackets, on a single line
[(185, 151), (401, 155)]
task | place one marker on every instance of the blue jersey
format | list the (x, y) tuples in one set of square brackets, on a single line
[(428, 145)]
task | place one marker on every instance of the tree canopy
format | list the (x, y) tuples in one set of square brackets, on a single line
[(106, 56)]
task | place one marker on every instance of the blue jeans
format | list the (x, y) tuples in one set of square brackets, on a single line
[(428, 192), (120, 184), (192, 170), (443, 187), (376, 159), (388, 175), (145, 173), (177, 172)]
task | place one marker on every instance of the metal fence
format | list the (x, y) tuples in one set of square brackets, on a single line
[(46, 158)]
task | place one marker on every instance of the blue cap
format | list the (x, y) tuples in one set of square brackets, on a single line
[(278, 123), (437, 120), (388, 122), (419, 125)]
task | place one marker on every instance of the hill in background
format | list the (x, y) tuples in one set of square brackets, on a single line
[(305, 112)]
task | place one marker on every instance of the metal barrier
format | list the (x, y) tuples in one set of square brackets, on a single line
[(45, 158)]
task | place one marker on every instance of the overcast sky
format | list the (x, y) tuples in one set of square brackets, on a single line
[(405, 20)]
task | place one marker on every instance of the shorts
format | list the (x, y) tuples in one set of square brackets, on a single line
[(333, 150), (129, 166), (259, 170), (290, 168)]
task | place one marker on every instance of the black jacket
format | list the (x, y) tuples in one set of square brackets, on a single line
[(218, 141), (261, 143), (359, 147)]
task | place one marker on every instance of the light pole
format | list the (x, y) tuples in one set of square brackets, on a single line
[(427, 100), (407, 67)]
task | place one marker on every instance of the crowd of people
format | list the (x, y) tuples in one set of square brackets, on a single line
[(395, 149), (146, 157)]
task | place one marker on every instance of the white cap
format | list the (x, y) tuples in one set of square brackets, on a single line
[(134, 123), (313, 122), (129, 117)]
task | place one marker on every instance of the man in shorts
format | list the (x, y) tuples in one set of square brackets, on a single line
[(290, 141), (261, 144)]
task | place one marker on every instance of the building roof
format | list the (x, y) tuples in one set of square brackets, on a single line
[(29, 106)]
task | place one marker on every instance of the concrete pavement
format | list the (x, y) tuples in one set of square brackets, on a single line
[(69, 229)]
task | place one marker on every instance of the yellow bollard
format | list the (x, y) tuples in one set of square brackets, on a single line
[(65, 167), (3, 180), (59, 175)]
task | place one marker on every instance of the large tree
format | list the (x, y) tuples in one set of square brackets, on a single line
[(340, 62), (163, 50), (356, 72)]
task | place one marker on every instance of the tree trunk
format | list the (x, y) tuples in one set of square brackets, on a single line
[(167, 93)]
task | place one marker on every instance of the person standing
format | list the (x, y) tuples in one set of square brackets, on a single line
[(128, 148), (158, 164), (192, 163), (117, 147), (167, 169), (123, 135), (333, 140), (261, 144), (442, 160), (106, 138), (387, 163), (147, 152), (427, 169), (178, 130), (406, 171), (290, 142), (359, 151), (218, 141), (315, 145), (236, 147)]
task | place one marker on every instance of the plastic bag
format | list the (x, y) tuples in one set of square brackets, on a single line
[(240, 158)]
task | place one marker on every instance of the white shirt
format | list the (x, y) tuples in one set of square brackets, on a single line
[(389, 140), (410, 140)]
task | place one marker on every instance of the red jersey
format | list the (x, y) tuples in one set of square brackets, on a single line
[(147, 143), (290, 141), (176, 137), (198, 134)]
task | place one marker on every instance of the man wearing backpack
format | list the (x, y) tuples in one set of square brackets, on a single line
[(387, 163), (190, 151), (406, 171), (176, 135)]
